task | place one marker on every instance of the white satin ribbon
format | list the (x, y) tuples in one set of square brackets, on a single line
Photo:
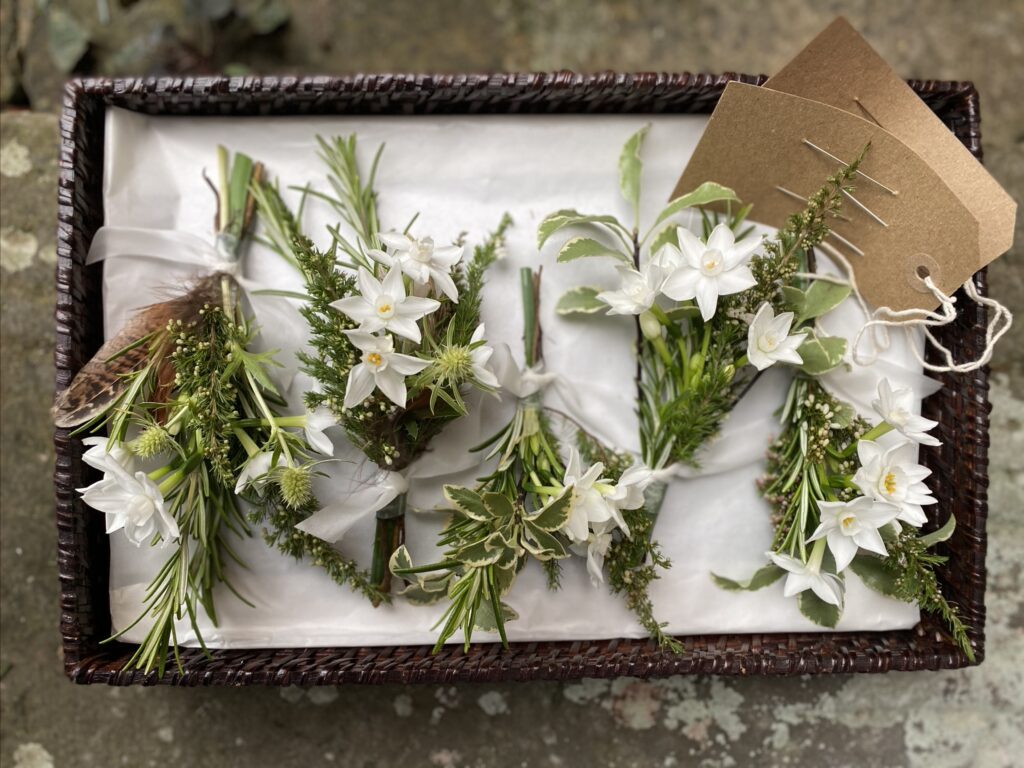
[(184, 248)]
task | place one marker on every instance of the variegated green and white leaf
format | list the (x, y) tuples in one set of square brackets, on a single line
[(584, 247), (468, 502), (707, 193), (631, 168), (580, 301), (569, 218)]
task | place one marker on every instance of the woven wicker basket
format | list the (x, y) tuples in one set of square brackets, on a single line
[(960, 466)]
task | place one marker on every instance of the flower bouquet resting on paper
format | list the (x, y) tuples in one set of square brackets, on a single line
[(533, 505), (844, 501), (188, 408), (395, 334)]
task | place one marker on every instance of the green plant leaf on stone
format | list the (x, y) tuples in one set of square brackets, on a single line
[(631, 168), (874, 574), (762, 577), (821, 354), (817, 610), (581, 247), (570, 218), (67, 40), (580, 301)]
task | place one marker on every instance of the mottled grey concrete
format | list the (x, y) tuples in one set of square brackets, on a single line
[(965, 718)]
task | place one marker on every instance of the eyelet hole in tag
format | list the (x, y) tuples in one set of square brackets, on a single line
[(923, 266)]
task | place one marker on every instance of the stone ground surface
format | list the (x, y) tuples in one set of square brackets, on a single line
[(964, 718)]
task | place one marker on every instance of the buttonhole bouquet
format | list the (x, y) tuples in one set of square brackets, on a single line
[(843, 501), (188, 408), (394, 321), (698, 301), (533, 505)]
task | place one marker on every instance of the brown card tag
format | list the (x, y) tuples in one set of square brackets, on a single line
[(948, 216), (755, 144)]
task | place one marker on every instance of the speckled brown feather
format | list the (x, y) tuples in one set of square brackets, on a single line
[(102, 379)]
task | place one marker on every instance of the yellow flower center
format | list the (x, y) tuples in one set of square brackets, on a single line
[(848, 522), (374, 359), (712, 263), (890, 483)]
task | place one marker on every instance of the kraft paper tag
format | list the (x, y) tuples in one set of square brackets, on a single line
[(950, 217)]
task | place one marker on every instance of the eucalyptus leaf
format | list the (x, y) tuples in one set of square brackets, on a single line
[(820, 298), (942, 534), (631, 168), (581, 247), (821, 354), (874, 574), (580, 301), (762, 577), (707, 193), (817, 610), (570, 218)]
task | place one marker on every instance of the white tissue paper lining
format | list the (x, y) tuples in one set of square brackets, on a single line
[(461, 174)]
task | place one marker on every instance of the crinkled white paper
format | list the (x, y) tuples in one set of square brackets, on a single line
[(461, 174)]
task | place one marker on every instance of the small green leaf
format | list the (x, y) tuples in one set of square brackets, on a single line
[(706, 193), (570, 218), (580, 301), (942, 534), (668, 236), (630, 168), (499, 506), (817, 610), (427, 591), (543, 545), (467, 502), (820, 298), (555, 514), (762, 577), (821, 355), (479, 553), (484, 619), (794, 298), (400, 560), (873, 573), (581, 247)]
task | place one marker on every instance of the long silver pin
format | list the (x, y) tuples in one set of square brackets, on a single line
[(864, 208), (832, 233), (860, 173)]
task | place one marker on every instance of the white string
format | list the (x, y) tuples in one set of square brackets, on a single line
[(880, 320)]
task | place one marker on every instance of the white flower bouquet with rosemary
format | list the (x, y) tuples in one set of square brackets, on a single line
[(533, 505), (395, 335), (188, 409)]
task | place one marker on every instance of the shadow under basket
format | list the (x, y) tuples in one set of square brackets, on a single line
[(959, 466)]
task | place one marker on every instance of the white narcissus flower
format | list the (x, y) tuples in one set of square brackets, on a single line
[(768, 339), (628, 492), (383, 305), (596, 503), (479, 357), (421, 260), (381, 368), (132, 502), (637, 290), (595, 548), (802, 576), (894, 405), (851, 525), (894, 476), (102, 454), (254, 471), (707, 271), (317, 422)]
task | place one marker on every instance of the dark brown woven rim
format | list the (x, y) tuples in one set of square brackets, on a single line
[(960, 466)]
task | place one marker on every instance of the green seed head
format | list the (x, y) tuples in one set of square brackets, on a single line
[(296, 485), (152, 442), (455, 363)]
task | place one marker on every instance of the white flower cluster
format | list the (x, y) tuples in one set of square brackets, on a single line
[(383, 308), (703, 272), (894, 490), (597, 505)]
